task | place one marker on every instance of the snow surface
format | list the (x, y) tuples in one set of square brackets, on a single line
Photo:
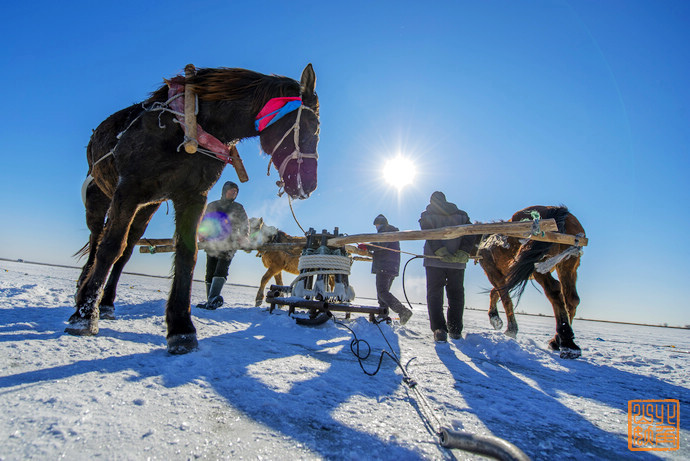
[(262, 387)]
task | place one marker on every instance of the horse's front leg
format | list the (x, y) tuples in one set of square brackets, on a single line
[(84, 321), (264, 280), (565, 338), (181, 332)]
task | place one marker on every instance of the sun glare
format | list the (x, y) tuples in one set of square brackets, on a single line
[(399, 172)]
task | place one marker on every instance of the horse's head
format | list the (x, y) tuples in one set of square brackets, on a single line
[(260, 233), (289, 129)]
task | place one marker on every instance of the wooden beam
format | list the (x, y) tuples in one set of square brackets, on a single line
[(156, 242), (522, 228), (557, 237), (157, 249)]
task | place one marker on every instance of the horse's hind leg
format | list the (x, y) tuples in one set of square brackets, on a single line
[(494, 318), (565, 338), (181, 332), (85, 319), (96, 205), (136, 230), (567, 274)]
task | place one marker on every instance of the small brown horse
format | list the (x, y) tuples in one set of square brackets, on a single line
[(136, 163), (275, 261), (509, 264)]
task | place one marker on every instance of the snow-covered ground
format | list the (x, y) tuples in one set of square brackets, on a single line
[(262, 387)]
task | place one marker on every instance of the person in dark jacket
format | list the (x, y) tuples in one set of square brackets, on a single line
[(445, 267), (223, 229), (386, 265)]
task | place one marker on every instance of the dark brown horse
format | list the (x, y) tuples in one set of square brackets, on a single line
[(136, 162), (509, 264)]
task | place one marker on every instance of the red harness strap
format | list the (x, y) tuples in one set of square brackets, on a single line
[(206, 140)]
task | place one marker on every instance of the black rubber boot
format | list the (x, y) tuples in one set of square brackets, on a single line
[(215, 300), (203, 305)]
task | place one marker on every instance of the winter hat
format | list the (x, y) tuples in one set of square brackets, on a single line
[(438, 197), (380, 219), (229, 185)]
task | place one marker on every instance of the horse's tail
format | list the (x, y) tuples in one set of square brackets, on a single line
[(83, 252), (531, 253)]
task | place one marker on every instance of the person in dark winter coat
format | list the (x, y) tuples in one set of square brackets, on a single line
[(386, 266), (223, 229), (445, 267)]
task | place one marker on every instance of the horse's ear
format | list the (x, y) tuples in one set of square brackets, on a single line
[(308, 81)]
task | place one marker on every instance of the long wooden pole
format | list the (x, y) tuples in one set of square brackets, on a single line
[(522, 229), (557, 237)]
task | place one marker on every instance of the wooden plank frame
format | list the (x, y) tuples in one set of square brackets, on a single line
[(523, 229)]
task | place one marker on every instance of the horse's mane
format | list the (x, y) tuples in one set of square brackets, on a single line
[(230, 84)]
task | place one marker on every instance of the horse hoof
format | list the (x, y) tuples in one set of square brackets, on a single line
[(182, 344), (567, 353), (555, 343), (107, 312), (496, 322), (511, 333), (78, 326), (259, 303)]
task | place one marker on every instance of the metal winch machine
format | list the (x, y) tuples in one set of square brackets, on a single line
[(322, 285)]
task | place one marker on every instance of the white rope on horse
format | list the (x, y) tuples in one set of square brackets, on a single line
[(494, 240), (163, 107), (548, 265)]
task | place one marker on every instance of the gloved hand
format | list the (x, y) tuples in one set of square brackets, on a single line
[(444, 254), (461, 256)]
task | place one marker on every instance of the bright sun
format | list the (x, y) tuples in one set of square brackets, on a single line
[(399, 172)]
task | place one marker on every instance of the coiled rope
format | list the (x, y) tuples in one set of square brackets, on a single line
[(335, 264), (322, 264)]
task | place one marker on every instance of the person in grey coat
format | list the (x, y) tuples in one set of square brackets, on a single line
[(386, 265), (445, 267), (223, 229)]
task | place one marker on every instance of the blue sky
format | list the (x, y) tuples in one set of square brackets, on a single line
[(500, 104)]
